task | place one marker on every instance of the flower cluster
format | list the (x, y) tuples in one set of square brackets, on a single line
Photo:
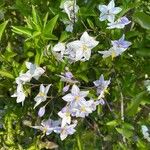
[(78, 50), (108, 13), (33, 72), (78, 102), (77, 107)]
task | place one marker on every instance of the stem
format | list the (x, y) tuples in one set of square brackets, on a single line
[(122, 107)]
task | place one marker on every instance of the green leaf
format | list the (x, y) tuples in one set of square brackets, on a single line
[(133, 107), (50, 25), (6, 74), (112, 123), (90, 23), (22, 30), (2, 28), (142, 19), (64, 36)]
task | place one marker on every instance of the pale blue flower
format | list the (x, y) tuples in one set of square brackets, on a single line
[(118, 47), (66, 88), (101, 86), (108, 12), (120, 23), (76, 96), (84, 108), (48, 126), (66, 130), (121, 43), (41, 111)]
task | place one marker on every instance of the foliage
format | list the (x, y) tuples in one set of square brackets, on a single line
[(28, 31)]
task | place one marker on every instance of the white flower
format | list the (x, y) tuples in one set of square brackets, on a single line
[(118, 47), (120, 23), (59, 49), (66, 130), (108, 12), (42, 95), (65, 115), (81, 49), (34, 70), (23, 78), (76, 96), (48, 126), (145, 133), (19, 94), (70, 8)]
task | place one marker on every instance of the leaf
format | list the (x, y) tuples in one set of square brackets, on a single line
[(142, 19), (2, 28), (22, 30), (133, 107), (50, 25), (6, 74), (64, 36), (48, 145), (90, 23), (112, 123)]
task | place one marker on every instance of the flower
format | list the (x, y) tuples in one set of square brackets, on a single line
[(42, 95), (23, 78), (147, 85), (84, 109), (68, 77), (101, 86), (108, 12), (118, 47), (81, 49), (121, 43), (19, 94), (76, 96), (71, 8), (120, 23), (145, 133), (59, 49), (48, 126), (41, 111), (34, 70), (66, 130), (65, 115)]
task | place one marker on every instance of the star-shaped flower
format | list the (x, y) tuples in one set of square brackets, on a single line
[(65, 115), (101, 86), (48, 126), (118, 47), (66, 130), (59, 49), (76, 96), (42, 95), (120, 23), (81, 49), (34, 70), (70, 8), (20, 94), (108, 12)]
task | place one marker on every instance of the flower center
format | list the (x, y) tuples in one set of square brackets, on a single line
[(77, 98), (41, 94), (85, 48)]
